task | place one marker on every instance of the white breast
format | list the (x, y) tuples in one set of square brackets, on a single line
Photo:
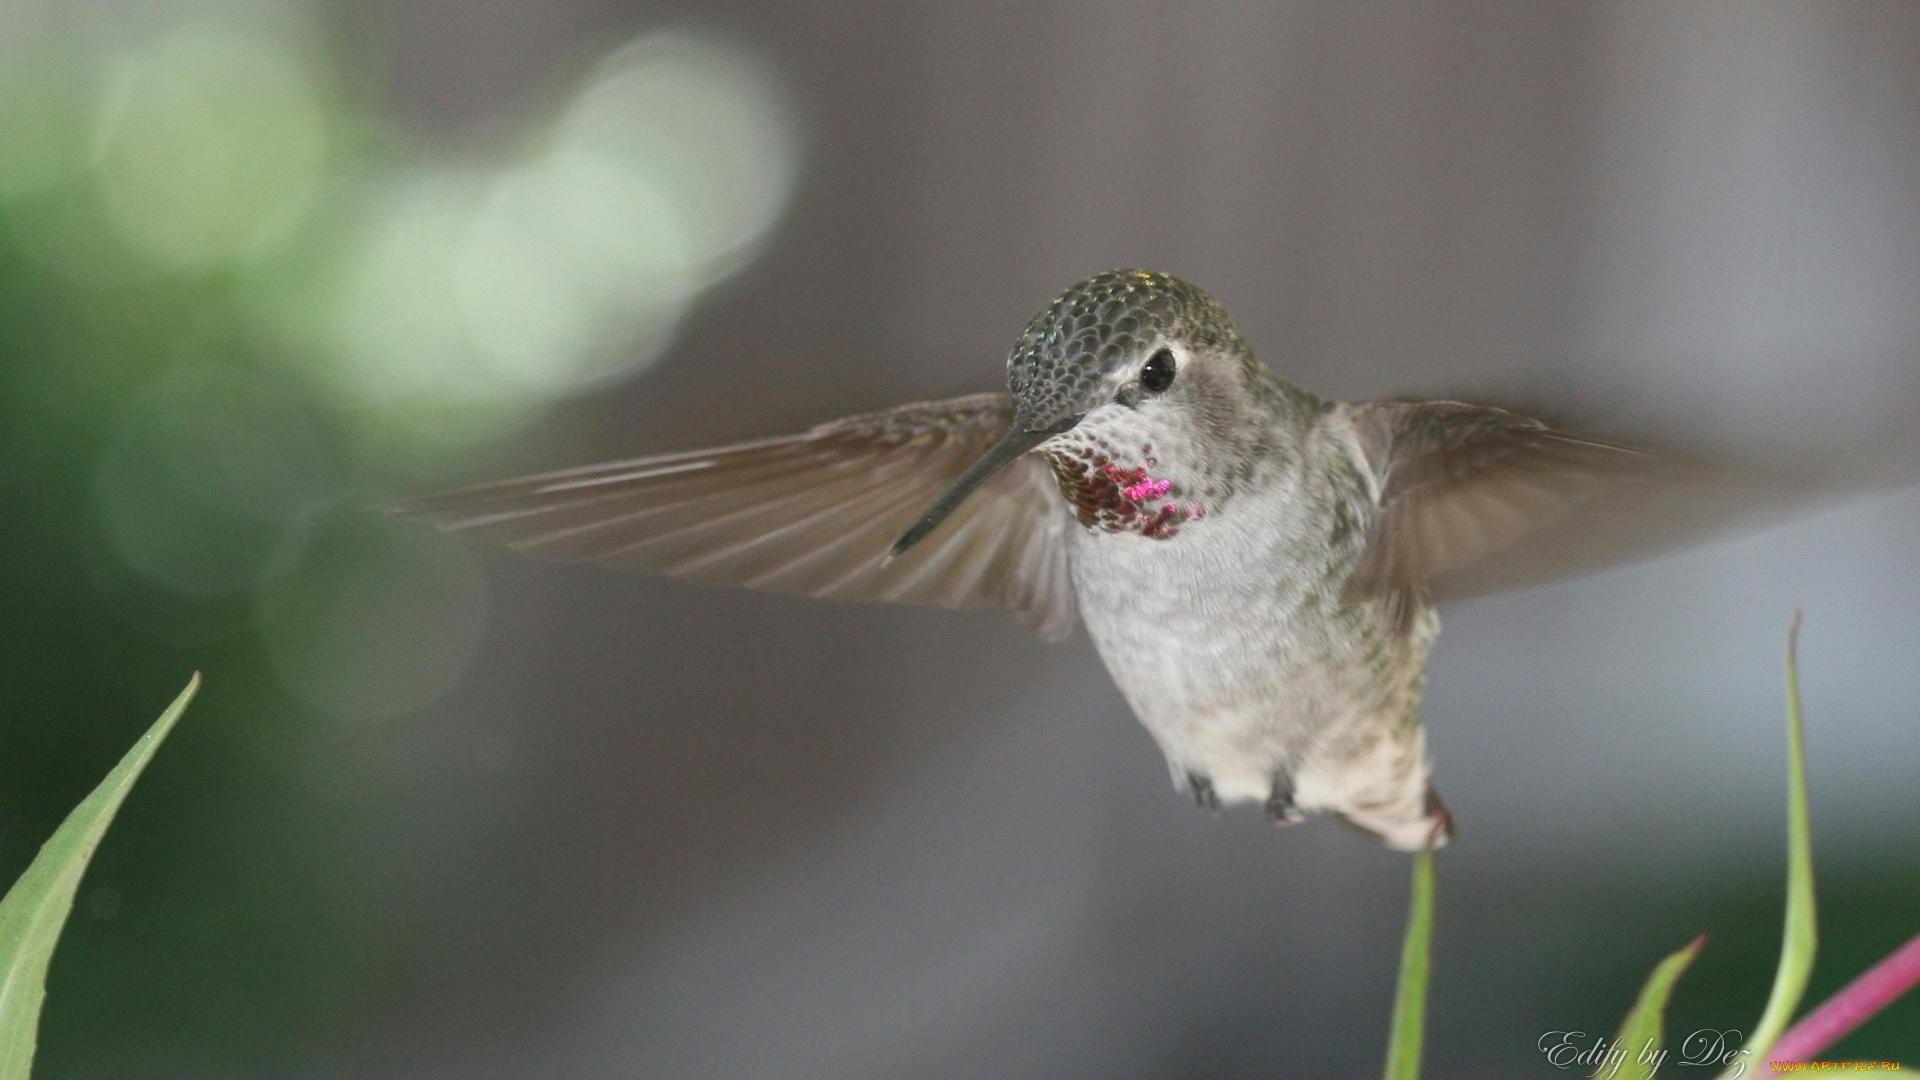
[(1235, 652)]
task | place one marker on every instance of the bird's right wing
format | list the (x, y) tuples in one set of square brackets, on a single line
[(807, 515)]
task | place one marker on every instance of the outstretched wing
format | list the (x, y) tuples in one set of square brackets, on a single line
[(1459, 482), (808, 515)]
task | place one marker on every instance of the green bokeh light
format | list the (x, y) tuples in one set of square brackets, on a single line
[(470, 300), (379, 620), (570, 271), (208, 481), (208, 143), (240, 310), (702, 124), (47, 90)]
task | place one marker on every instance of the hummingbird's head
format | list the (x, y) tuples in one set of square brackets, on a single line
[(1115, 338), (1132, 339)]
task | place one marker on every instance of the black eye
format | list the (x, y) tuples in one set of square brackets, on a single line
[(1158, 372)]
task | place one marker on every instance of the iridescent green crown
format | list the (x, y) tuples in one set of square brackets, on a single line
[(1055, 369)]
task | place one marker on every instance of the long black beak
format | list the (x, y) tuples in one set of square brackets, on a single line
[(1009, 449)]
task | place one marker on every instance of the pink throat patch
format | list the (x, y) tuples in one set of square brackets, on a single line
[(1142, 490), (1117, 499)]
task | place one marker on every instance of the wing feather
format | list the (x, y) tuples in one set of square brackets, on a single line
[(1459, 482), (810, 514)]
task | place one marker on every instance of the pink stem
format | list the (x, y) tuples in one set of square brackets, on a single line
[(1852, 1006)]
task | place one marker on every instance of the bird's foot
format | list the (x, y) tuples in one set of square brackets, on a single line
[(1203, 794), (1280, 808), (1442, 828)]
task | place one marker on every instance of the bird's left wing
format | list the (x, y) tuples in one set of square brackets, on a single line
[(808, 515), (1458, 482)]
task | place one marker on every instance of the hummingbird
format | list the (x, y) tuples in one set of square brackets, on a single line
[(1254, 563)]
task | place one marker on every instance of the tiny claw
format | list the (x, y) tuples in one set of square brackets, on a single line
[(1442, 819), (1204, 796), (1280, 808)]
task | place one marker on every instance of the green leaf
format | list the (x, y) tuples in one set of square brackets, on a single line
[(1800, 938), (1416, 955), (1640, 1035), (36, 908)]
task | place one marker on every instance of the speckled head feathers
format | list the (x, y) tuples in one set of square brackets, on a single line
[(1056, 369)]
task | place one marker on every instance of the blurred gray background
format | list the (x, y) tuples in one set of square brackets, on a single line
[(643, 829)]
